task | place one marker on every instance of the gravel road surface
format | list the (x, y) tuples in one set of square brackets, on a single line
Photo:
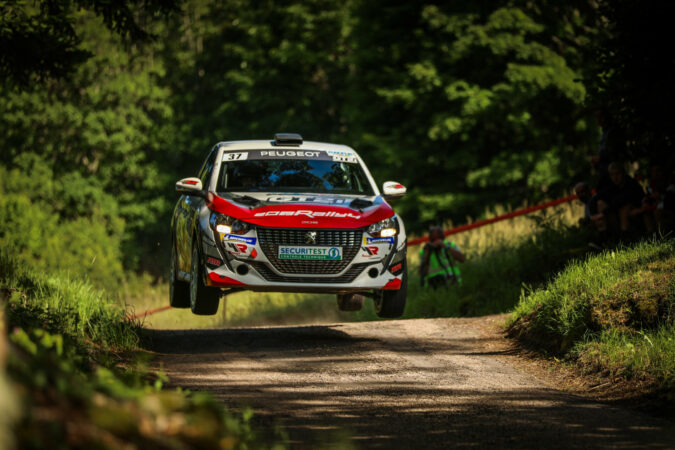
[(432, 383)]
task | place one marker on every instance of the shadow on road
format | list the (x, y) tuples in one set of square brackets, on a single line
[(220, 340), (388, 390)]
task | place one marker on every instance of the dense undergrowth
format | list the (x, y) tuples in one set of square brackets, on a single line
[(611, 314), (79, 381), (502, 259)]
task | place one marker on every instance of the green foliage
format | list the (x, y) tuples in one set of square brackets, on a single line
[(65, 361), (90, 153), (482, 99), (85, 407), (612, 312), (59, 305), (39, 39)]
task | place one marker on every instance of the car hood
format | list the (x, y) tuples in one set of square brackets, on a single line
[(302, 210)]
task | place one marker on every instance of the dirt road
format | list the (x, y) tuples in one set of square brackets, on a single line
[(435, 383)]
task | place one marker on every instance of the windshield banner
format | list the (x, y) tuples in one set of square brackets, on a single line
[(289, 154), (316, 155)]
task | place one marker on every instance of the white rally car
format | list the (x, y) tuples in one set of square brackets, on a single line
[(287, 215)]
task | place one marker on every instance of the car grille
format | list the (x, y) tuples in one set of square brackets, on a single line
[(347, 277), (271, 238)]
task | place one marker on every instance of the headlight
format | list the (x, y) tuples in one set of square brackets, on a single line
[(385, 228), (222, 225)]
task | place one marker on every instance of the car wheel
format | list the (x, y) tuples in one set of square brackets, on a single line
[(350, 302), (391, 304), (203, 299), (179, 290)]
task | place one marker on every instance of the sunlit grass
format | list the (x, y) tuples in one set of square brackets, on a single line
[(611, 313), (68, 306), (73, 349)]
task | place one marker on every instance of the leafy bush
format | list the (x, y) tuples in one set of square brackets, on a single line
[(83, 406), (42, 225)]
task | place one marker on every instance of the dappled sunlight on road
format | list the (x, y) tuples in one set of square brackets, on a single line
[(404, 384)]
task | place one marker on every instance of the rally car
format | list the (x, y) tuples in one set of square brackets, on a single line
[(287, 215)]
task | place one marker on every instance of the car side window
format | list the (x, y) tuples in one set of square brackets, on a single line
[(207, 168)]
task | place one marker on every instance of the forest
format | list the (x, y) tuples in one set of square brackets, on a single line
[(471, 105), (478, 108)]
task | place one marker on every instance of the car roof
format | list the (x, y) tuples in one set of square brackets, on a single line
[(269, 144)]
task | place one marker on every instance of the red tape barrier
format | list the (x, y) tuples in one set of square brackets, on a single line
[(417, 241), (149, 312), (482, 223)]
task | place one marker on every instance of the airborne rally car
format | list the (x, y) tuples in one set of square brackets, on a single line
[(287, 215)]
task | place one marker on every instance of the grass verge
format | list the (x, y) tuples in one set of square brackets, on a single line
[(611, 314), (80, 382)]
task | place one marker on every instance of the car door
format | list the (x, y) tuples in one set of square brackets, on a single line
[(193, 206)]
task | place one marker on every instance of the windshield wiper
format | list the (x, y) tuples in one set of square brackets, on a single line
[(246, 200), (360, 203)]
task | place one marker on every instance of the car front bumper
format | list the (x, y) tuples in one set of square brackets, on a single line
[(244, 262)]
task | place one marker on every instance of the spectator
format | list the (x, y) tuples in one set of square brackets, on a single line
[(659, 204), (436, 260), (621, 201), (611, 148), (590, 202)]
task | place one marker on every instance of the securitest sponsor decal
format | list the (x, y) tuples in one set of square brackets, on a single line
[(379, 240), (313, 253), (237, 238), (309, 213)]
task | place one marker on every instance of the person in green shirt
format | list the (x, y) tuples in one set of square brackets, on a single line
[(437, 260)]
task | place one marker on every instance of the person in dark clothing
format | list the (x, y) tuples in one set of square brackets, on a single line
[(660, 200), (612, 147), (590, 202), (621, 202)]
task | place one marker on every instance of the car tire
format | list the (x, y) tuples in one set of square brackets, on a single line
[(391, 304), (350, 302), (179, 290), (203, 299)]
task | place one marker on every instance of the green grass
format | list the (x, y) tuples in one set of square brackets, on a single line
[(77, 378), (611, 313), (61, 305)]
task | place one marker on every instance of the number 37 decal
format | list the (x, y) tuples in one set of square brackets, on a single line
[(235, 156)]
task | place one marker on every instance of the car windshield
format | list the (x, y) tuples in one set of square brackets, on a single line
[(293, 175)]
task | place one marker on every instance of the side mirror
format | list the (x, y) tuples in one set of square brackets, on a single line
[(391, 190), (190, 186)]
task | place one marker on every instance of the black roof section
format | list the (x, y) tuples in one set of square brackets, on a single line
[(287, 139)]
